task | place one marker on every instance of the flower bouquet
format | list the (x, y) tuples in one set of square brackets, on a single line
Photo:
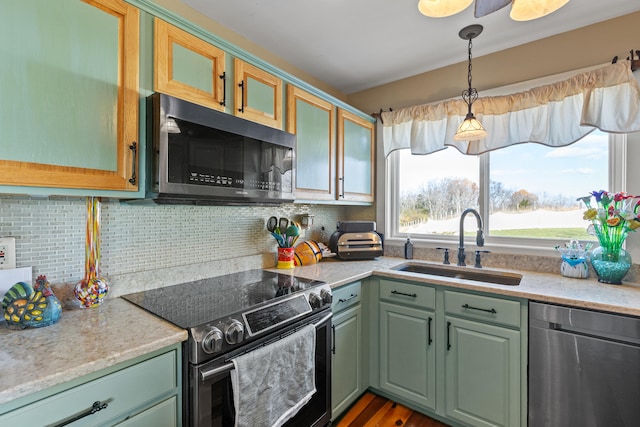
[(612, 218)]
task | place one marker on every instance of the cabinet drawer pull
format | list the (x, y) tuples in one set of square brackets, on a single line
[(448, 336), (97, 406), (241, 84), (223, 77), (429, 339), (341, 300), (341, 193), (406, 295), (468, 307), (134, 161)]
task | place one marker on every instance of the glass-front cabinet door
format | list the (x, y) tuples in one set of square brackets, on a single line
[(69, 107), (257, 95), (312, 120), (187, 67), (355, 157)]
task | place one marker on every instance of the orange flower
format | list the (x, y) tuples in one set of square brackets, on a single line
[(613, 221)]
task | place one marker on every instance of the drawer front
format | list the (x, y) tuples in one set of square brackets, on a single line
[(408, 294), (122, 391), (164, 414), (346, 296), (495, 310)]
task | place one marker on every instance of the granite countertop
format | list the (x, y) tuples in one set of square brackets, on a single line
[(82, 342), (87, 340), (545, 287)]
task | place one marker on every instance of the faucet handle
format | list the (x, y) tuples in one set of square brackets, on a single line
[(478, 252), (446, 254)]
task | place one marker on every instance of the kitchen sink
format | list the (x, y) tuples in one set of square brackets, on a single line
[(467, 273)]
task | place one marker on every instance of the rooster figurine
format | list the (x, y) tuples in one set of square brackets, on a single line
[(36, 306)]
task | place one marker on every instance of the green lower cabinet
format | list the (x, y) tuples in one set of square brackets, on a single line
[(482, 373), (346, 374), (407, 356), (143, 392)]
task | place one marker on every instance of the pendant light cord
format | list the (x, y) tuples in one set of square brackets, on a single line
[(471, 94)]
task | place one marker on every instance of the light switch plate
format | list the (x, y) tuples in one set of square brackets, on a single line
[(7, 253)]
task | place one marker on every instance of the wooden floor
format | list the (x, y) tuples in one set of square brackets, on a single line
[(376, 411)]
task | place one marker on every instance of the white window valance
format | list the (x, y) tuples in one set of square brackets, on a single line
[(555, 115)]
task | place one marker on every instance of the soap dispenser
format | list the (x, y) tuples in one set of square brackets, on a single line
[(408, 249)]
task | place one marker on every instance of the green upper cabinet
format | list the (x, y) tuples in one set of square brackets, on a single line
[(257, 95), (355, 157), (69, 105), (187, 67), (312, 120)]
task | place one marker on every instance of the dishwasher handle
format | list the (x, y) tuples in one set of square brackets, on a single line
[(608, 326)]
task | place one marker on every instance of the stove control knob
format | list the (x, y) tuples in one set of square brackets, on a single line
[(212, 341), (234, 332), (315, 301), (327, 296)]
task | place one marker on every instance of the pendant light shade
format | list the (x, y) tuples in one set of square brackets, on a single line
[(442, 8), (470, 130), (527, 10)]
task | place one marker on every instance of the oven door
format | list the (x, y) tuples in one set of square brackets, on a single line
[(209, 397)]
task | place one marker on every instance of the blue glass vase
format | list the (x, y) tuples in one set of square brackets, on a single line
[(610, 265)]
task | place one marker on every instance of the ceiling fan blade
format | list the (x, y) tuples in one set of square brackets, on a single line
[(485, 7)]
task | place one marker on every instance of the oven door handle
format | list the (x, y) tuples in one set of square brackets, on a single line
[(205, 375)]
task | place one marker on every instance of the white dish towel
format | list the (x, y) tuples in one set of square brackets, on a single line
[(271, 383)]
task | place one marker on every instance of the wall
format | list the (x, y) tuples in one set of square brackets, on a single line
[(584, 47), (150, 246)]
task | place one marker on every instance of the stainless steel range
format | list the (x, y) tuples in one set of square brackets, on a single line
[(230, 315)]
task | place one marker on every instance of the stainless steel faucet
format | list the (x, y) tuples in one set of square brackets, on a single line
[(479, 234)]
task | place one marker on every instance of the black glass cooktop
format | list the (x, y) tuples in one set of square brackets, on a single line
[(195, 303)]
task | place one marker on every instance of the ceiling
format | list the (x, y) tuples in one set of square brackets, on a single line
[(354, 45)]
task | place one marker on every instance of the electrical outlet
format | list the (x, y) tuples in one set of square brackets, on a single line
[(7, 253)]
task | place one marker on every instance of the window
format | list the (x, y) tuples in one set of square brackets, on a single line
[(526, 193)]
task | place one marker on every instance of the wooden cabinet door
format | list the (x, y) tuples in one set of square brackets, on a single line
[(69, 105), (257, 95), (312, 120), (482, 374), (407, 353), (187, 67), (346, 363), (355, 157)]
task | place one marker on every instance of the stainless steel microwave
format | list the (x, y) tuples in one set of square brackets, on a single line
[(197, 155)]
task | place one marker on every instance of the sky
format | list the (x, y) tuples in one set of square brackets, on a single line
[(574, 170)]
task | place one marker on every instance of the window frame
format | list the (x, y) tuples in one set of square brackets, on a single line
[(388, 185)]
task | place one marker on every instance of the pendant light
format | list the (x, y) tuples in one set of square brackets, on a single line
[(470, 129), (442, 8), (533, 9)]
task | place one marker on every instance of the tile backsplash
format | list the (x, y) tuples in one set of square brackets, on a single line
[(50, 234)]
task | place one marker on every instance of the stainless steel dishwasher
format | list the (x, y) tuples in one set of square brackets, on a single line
[(584, 368)]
